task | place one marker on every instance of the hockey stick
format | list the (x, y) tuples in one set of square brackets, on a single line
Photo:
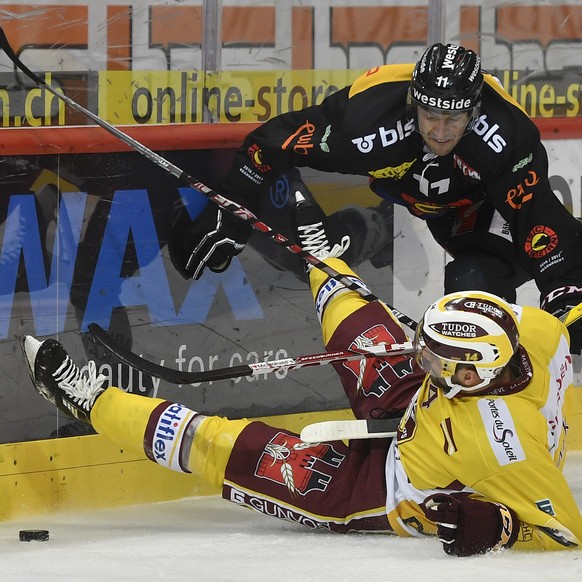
[(337, 430), (183, 377), (229, 205)]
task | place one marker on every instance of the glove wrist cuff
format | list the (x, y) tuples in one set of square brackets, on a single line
[(509, 528)]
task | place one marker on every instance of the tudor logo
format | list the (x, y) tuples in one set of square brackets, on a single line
[(365, 144), (458, 329)]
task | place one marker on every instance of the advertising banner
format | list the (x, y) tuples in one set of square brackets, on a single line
[(85, 235), (84, 239)]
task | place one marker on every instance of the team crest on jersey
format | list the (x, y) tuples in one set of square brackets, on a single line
[(540, 241), (256, 155), (299, 466), (370, 372)]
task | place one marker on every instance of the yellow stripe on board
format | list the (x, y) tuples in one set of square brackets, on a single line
[(89, 472)]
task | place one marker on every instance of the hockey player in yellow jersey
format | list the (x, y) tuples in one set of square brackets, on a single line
[(478, 456)]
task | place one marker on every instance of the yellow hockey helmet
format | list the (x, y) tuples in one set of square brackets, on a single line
[(469, 327)]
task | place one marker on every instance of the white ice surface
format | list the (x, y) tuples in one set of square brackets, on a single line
[(208, 539)]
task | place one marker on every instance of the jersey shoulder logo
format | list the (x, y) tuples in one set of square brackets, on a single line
[(489, 133)]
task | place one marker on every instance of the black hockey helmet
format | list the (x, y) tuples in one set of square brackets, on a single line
[(447, 78)]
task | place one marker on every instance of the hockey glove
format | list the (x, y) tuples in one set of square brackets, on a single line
[(565, 303), (209, 241), (467, 526)]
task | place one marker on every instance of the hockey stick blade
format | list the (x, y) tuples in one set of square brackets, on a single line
[(338, 430), (228, 205), (183, 377)]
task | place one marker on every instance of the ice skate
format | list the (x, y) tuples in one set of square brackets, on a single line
[(310, 230), (56, 377)]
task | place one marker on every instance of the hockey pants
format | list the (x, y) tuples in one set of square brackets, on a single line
[(329, 485)]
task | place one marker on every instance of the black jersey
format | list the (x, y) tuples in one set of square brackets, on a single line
[(364, 129)]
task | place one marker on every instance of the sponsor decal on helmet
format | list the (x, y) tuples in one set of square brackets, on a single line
[(440, 103), (458, 329), (483, 307), (449, 60), (476, 69), (541, 241)]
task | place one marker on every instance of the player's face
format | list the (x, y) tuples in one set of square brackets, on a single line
[(441, 131), (466, 376)]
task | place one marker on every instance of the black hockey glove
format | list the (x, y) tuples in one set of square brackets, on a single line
[(565, 303), (467, 526), (209, 241)]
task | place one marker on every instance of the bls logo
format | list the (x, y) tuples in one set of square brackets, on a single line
[(388, 137), (289, 461), (489, 134)]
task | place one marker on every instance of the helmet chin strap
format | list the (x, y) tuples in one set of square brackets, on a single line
[(451, 389), (456, 388)]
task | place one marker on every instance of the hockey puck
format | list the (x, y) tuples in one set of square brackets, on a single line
[(37, 535)]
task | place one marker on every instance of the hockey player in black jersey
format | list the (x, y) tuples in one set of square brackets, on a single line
[(441, 138)]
